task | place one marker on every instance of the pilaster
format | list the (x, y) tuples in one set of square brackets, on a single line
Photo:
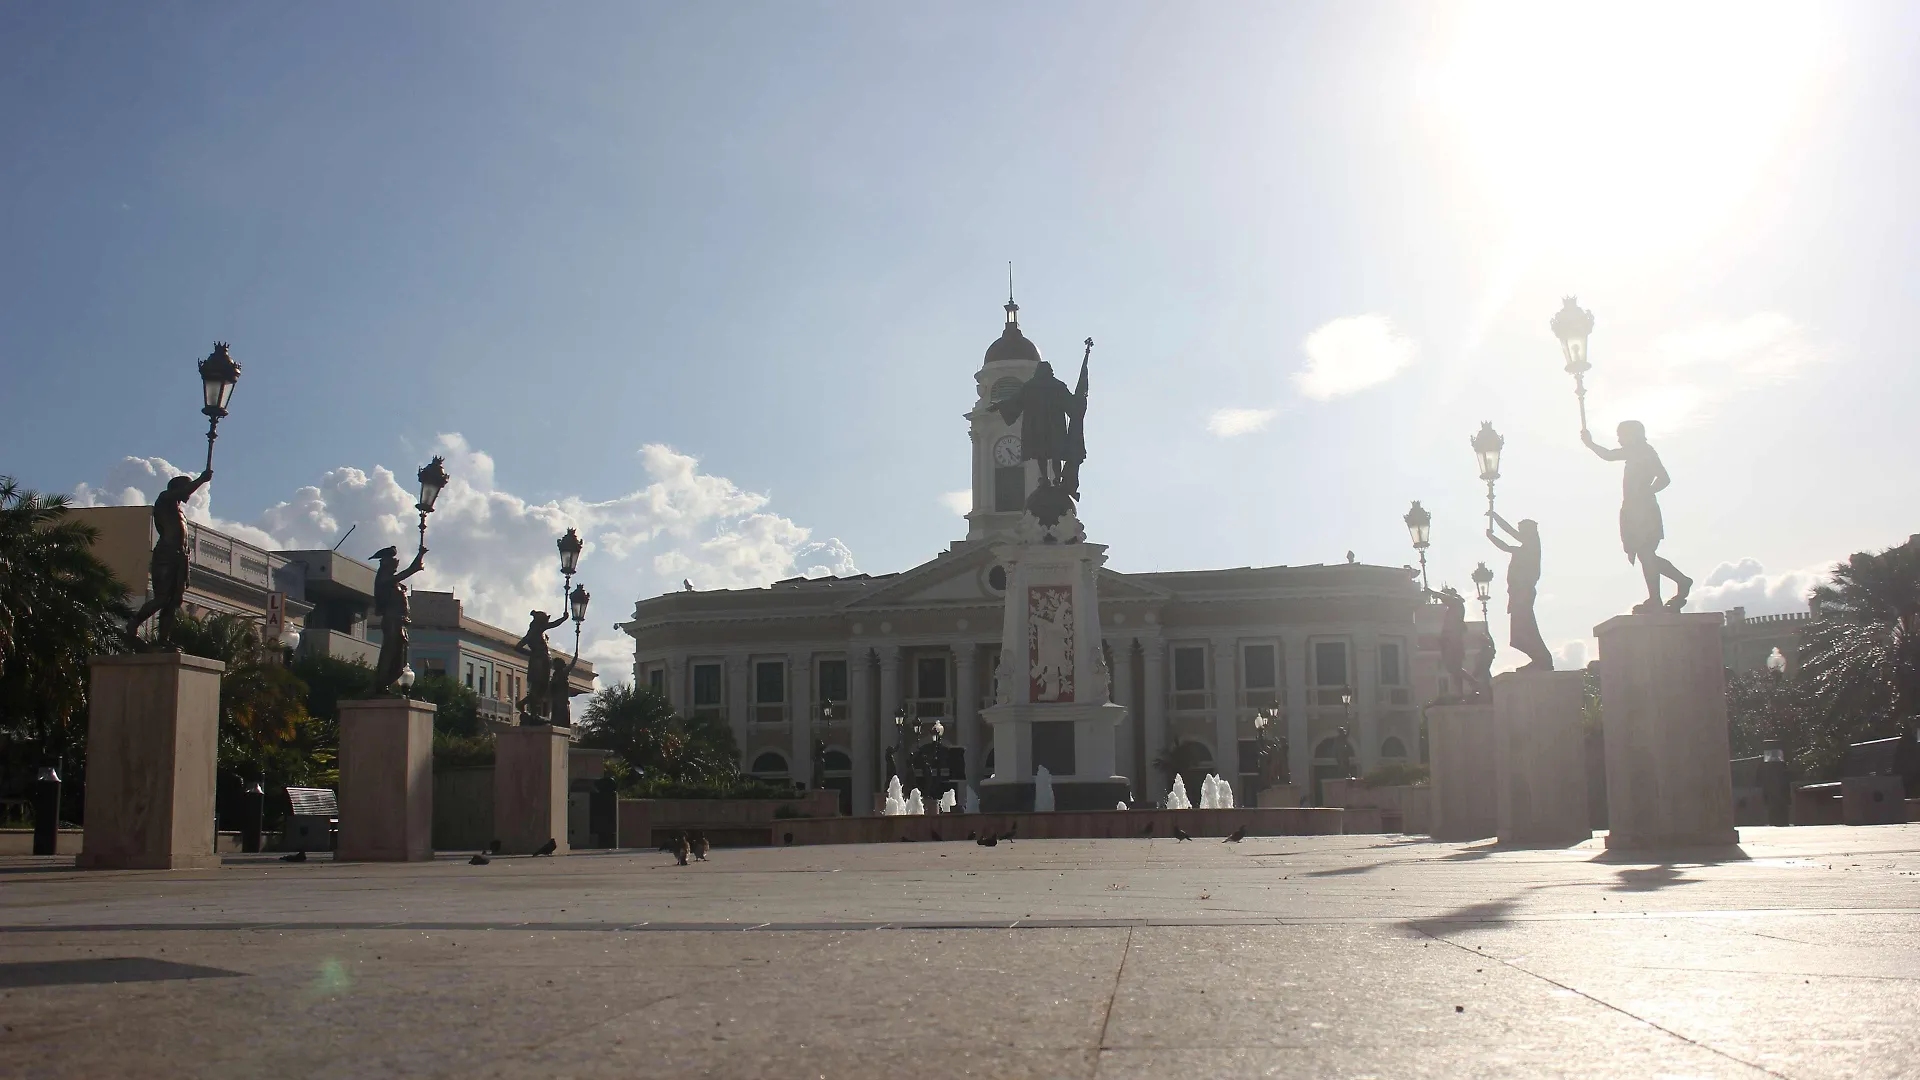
[(800, 717), (966, 707), (1226, 715), (1293, 647)]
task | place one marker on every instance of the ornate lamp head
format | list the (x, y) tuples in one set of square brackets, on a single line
[(407, 678), (1777, 661), (1419, 525), (570, 547), (1486, 447), (1482, 582), (218, 373), (1346, 697), (577, 600), (1573, 325), (433, 480)]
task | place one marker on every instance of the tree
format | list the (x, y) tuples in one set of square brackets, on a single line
[(1187, 759), (1763, 707), (639, 724), (59, 605), (1862, 653), (266, 732), (457, 707)]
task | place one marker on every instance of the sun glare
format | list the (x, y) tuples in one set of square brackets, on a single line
[(1616, 127)]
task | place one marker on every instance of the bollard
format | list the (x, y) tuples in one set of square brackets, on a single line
[(253, 810), (1776, 788), (46, 812)]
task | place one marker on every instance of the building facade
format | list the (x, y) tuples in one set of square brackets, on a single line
[(225, 576), (444, 640), (1746, 641), (810, 673)]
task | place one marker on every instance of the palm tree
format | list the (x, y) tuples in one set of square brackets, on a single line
[(1862, 653), (59, 605), (640, 725), (1185, 759)]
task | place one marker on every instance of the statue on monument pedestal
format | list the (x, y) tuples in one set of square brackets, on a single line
[(1641, 528), (169, 565), (1523, 581), (1053, 433), (390, 606), (1453, 642), (537, 706), (560, 692)]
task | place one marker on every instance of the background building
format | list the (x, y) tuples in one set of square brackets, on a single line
[(444, 640), (224, 575)]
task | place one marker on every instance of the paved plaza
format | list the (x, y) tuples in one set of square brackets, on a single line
[(1337, 956)]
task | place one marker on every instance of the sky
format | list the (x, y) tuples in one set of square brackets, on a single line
[(711, 282)]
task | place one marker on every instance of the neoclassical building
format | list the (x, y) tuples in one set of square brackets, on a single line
[(811, 672)]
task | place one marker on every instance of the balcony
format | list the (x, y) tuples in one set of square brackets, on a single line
[(339, 646)]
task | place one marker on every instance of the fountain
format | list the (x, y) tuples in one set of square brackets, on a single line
[(1042, 791), (896, 803), (1177, 796), (947, 802)]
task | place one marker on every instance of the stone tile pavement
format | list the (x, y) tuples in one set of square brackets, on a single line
[(1343, 956)]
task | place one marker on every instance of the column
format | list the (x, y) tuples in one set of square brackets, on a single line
[(801, 716), (739, 689), (1293, 646), (860, 725), (1153, 654), (679, 694), (1226, 715), (890, 702), (1125, 760), (966, 708), (1366, 699)]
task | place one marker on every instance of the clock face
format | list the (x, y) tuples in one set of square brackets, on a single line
[(1007, 450)]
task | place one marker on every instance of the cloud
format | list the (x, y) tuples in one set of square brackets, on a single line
[(1747, 584), (494, 549), (1227, 423), (1682, 377), (957, 501), (1351, 354), (1572, 656)]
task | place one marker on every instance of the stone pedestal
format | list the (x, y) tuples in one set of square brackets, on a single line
[(386, 780), (1461, 761), (1053, 688), (1873, 800), (1278, 796), (1663, 703), (153, 728), (530, 789), (1540, 757)]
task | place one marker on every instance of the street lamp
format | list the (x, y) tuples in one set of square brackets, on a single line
[(1777, 663), (1486, 448), (218, 373), (1483, 587), (1420, 527), (570, 548), (1573, 325), (433, 480), (46, 811), (577, 601), (406, 680)]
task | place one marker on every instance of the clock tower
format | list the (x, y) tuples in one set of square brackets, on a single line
[(1001, 481)]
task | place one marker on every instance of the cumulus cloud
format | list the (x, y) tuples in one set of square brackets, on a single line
[(495, 549), (958, 502), (1747, 584), (1351, 354), (1682, 377), (1571, 656), (1226, 423)]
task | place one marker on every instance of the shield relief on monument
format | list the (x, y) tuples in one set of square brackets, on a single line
[(1050, 643)]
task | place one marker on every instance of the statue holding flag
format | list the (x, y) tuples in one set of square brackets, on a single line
[(1053, 433)]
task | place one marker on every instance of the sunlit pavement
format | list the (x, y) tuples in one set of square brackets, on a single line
[(1796, 955)]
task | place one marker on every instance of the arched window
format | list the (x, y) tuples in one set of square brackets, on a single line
[(769, 764), (836, 762), (1393, 748), (1329, 748)]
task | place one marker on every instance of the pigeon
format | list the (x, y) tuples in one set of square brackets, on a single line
[(679, 848), (547, 848), (479, 859), (1180, 833), (700, 846), (298, 856), (1239, 834), (493, 848), (936, 834)]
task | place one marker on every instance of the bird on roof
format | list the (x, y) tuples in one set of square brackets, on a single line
[(1239, 834), (686, 584)]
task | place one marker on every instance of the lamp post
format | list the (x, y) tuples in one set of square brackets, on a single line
[(1266, 730), (577, 603), (218, 373), (1420, 527), (433, 480), (1573, 325), (1777, 664), (406, 681), (1486, 448), (46, 811), (1483, 587), (570, 547), (253, 812)]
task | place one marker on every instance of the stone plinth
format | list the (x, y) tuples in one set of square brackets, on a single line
[(530, 789), (1461, 762), (1052, 690), (1540, 757), (1873, 800), (1277, 796), (153, 728), (386, 780), (1664, 706)]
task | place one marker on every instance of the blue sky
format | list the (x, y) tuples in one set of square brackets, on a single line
[(769, 242)]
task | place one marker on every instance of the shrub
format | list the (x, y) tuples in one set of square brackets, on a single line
[(1395, 775)]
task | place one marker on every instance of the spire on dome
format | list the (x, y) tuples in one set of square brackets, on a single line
[(1012, 344)]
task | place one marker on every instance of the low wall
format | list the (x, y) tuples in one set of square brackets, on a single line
[(1089, 824), (463, 808), (725, 822)]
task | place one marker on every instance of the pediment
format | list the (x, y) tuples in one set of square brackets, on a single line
[(961, 579)]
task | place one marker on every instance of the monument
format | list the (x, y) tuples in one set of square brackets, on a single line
[(1053, 691)]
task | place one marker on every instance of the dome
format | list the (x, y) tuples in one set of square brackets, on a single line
[(1012, 344)]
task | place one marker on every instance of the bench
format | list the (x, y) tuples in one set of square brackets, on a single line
[(1876, 777), (313, 819)]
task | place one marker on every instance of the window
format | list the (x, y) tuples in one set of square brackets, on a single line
[(469, 676), (706, 687), (770, 692), (833, 680), (496, 685), (836, 762), (1189, 677), (930, 677), (1009, 487), (1260, 675), (657, 680), (770, 765), (1330, 663), (1390, 663), (997, 579), (1393, 748)]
